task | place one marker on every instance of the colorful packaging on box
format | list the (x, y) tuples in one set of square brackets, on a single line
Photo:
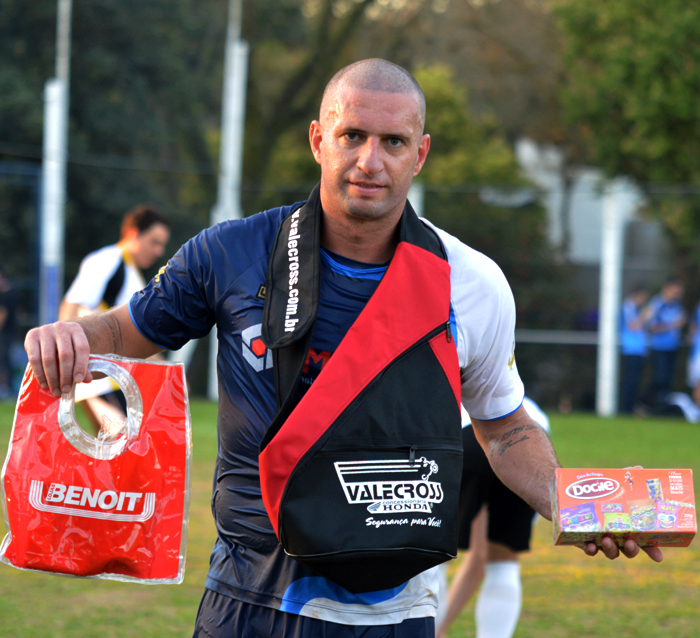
[(652, 507), (112, 507)]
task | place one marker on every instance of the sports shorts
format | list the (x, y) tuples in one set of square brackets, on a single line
[(220, 616), (510, 517)]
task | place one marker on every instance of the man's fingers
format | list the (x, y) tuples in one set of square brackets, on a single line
[(610, 549), (66, 360), (654, 553), (32, 345), (58, 354), (630, 549), (81, 348), (50, 352)]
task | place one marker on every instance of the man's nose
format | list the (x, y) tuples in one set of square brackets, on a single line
[(370, 160)]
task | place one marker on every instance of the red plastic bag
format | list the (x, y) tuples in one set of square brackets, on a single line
[(112, 507)]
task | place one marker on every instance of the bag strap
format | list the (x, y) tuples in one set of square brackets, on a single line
[(293, 290)]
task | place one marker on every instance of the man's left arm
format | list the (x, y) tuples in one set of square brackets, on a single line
[(522, 456)]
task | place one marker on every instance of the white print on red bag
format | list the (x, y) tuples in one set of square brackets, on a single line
[(387, 496), (105, 502)]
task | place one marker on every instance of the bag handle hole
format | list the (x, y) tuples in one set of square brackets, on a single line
[(117, 432)]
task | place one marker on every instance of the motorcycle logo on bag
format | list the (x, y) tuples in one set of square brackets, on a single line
[(82, 501), (393, 485)]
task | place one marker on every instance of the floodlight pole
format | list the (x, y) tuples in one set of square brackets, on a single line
[(610, 289), (53, 193), (228, 204)]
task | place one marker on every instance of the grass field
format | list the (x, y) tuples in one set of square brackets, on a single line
[(565, 594)]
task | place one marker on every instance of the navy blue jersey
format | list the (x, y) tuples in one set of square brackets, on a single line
[(218, 278)]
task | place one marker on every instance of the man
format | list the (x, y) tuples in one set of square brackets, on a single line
[(693, 378), (666, 318), (8, 331), (370, 144), (109, 276), (633, 345), (495, 526)]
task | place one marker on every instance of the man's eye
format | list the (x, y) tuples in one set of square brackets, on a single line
[(395, 142), (352, 137)]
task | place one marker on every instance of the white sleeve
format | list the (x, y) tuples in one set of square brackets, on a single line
[(484, 313), (96, 270)]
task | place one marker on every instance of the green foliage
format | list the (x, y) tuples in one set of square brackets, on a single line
[(633, 90), (634, 85), (463, 149), (466, 153), (146, 78), (144, 93)]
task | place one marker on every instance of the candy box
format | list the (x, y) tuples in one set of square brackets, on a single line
[(652, 507)]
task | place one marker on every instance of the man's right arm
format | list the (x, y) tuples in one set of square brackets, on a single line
[(72, 311), (58, 352)]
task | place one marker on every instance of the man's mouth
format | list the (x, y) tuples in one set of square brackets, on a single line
[(366, 187)]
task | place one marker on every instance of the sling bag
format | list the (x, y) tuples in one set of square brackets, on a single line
[(361, 477)]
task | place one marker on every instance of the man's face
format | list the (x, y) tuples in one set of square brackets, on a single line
[(370, 146), (149, 245), (673, 292), (640, 297)]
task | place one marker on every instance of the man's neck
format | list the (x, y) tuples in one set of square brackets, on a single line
[(369, 242)]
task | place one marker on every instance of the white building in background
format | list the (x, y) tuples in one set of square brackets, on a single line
[(646, 247)]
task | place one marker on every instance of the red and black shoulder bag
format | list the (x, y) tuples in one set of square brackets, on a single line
[(361, 476)]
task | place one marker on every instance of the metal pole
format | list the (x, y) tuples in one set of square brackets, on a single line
[(416, 195), (65, 8), (610, 287), (228, 205), (53, 193)]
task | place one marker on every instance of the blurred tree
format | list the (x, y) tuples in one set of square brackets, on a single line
[(506, 223), (508, 53), (465, 149), (632, 93), (145, 81), (289, 69)]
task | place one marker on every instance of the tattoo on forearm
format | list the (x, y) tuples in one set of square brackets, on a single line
[(115, 329), (506, 441)]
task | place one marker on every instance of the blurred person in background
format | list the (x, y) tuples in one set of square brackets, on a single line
[(666, 318), (633, 345), (694, 357), (8, 334), (108, 277), (495, 525)]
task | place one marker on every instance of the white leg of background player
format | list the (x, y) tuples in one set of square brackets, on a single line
[(500, 597)]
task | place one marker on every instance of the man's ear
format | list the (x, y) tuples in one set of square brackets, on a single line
[(423, 149), (315, 139), (130, 234)]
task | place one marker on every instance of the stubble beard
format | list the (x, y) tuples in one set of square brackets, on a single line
[(367, 210)]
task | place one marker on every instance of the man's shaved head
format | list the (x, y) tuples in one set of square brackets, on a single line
[(375, 75)]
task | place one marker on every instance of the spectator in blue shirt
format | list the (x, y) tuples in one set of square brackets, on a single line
[(694, 357), (665, 323), (633, 345)]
